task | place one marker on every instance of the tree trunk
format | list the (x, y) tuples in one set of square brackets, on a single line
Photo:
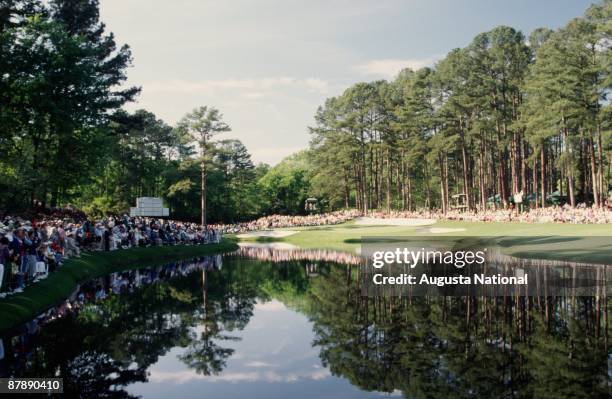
[(513, 163), (524, 152), (442, 194), (54, 195), (401, 180), (603, 194), (593, 171), (446, 192), (203, 196), (409, 193), (427, 188), (444, 182), (388, 164), (466, 188), (543, 175), (481, 180), (501, 130), (346, 190), (569, 169)]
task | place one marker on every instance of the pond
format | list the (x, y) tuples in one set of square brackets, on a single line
[(266, 323)]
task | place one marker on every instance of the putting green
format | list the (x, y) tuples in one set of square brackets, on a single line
[(519, 239)]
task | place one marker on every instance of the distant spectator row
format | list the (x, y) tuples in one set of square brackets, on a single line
[(281, 221), (553, 214)]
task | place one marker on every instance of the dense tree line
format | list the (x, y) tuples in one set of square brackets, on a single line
[(60, 78), (504, 115), (65, 139)]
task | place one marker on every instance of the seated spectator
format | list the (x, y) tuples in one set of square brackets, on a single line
[(4, 259), (71, 249)]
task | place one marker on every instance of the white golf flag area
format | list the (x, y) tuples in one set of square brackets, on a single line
[(149, 206)]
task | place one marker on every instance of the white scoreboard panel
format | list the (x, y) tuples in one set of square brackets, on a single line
[(149, 206)]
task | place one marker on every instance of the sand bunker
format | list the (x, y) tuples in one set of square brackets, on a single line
[(267, 245), (438, 230), (267, 233), (393, 222)]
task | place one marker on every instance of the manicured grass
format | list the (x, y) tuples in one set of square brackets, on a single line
[(519, 239), (35, 299)]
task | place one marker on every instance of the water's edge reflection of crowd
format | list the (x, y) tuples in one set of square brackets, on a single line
[(120, 324)]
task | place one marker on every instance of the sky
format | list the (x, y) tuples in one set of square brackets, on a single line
[(268, 64), (273, 357)]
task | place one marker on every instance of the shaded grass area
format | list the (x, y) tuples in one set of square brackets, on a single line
[(35, 299), (578, 242)]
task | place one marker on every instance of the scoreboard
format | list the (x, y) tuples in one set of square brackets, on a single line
[(149, 206)]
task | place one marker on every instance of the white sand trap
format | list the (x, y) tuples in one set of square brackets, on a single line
[(267, 245), (438, 230), (393, 221), (268, 233)]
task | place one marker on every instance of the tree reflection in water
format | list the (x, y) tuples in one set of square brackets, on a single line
[(461, 347), (422, 347)]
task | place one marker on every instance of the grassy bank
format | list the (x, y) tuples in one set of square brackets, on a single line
[(36, 298)]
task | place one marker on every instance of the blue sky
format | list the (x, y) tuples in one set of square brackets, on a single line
[(268, 64)]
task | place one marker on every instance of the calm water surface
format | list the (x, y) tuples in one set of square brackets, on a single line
[(270, 323)]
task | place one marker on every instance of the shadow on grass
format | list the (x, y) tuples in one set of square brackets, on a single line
[(543, 240), (336, 227), (593, 249), (266, 239), (382, 240)]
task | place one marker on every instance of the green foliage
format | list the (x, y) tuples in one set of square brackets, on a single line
[(499, 116), (102, 206), (286, 186), (60, 79), (64, 138)]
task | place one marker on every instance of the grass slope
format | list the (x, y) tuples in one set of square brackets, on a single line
[(36, 298)]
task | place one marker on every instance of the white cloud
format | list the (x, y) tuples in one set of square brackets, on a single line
[(389, 68), (258, 364), (181, 377), (253, 88)]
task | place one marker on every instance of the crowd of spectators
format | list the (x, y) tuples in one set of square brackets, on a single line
[(280, 221), (29, 250), (553, 214)]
